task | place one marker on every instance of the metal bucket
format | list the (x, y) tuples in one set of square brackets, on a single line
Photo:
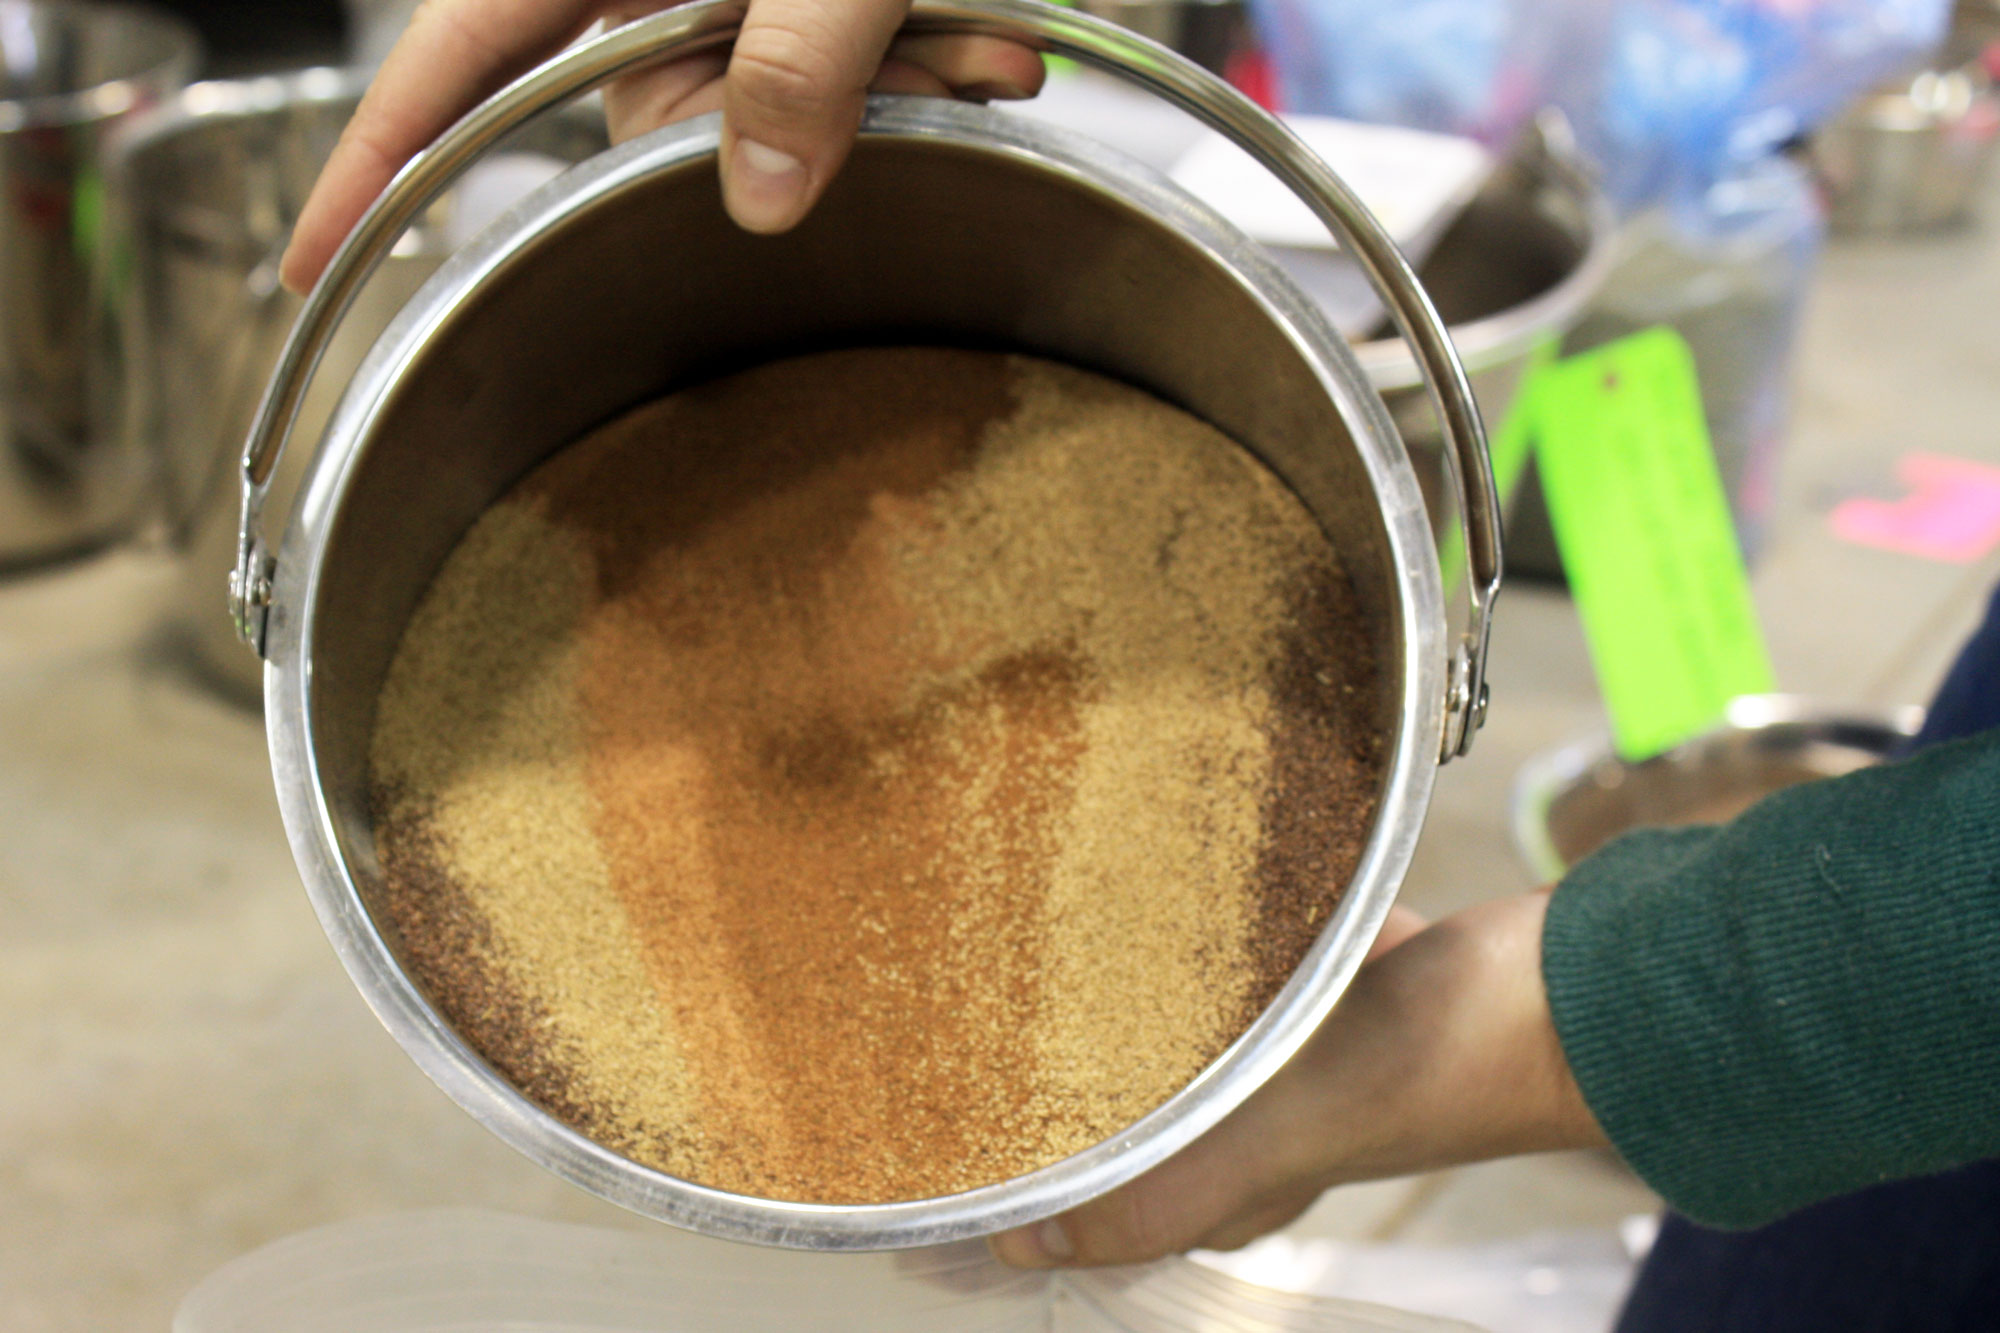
[(624, 279), (69, 75), (202, 196)]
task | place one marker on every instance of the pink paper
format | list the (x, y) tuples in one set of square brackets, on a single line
[(1951, 514)]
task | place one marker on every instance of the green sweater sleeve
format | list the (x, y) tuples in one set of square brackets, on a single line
[(1800, 1003)]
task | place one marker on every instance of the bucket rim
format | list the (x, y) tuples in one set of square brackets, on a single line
[(1285, 1024)]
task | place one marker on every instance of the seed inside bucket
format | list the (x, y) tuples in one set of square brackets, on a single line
[(876, 774)]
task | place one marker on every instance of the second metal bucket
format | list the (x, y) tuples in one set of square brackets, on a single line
[(624, 279), (70, 75), (203, 192)]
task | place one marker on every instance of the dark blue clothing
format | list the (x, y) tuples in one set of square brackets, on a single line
[(1917, 1256), (1969, 700)]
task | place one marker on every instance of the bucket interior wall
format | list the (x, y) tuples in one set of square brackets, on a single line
[(651, 288)]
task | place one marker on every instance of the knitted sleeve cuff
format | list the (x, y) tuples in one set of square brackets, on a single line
[(1798, 1004)]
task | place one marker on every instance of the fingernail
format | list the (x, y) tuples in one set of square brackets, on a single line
[(766, 187), (994, 92), (1052, 1239), (288, 272)]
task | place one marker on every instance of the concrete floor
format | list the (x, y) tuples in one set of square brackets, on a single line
[(193, 1075)]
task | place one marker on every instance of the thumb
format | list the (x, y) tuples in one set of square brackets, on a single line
[(1246, 1176), (1201, 1199), (1158, 1214), (797, 81)]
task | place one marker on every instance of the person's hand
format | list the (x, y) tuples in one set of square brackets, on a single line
[(791, 93), (1441, 1052)]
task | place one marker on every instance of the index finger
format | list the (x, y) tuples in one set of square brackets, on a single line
[(454, 53)]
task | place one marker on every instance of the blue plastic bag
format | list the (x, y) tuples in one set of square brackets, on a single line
[(1671, 96), (1695, 90), (1474, 67)]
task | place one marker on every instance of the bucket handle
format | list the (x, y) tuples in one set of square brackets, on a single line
[(702, 26)]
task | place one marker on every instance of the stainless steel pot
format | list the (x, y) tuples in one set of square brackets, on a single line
[(624, 279), (69, 75), (202, 195)]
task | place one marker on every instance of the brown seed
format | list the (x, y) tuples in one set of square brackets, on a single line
[(876, 774)]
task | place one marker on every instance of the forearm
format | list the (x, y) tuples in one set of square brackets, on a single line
[(1442, 1053)]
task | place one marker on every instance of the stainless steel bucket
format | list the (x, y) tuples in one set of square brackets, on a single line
[(69, 75), (624, 279), (202, 195)]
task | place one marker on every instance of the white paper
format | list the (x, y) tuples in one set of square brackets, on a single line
[(1414, 183)]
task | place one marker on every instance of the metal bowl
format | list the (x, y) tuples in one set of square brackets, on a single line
[(1912, 158), (1212, 33), (1571, 801)]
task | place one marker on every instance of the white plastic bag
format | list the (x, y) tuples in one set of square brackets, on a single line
[(472, 1271)]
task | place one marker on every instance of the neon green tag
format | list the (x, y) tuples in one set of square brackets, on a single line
[(1647, 545), (1061, 64)]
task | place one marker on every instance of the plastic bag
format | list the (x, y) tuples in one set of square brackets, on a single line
[(1670, 96), (1696, 90), (462, 1270), (1728, 270), (1684, 105), (1534, 1283), (1478, 68)]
